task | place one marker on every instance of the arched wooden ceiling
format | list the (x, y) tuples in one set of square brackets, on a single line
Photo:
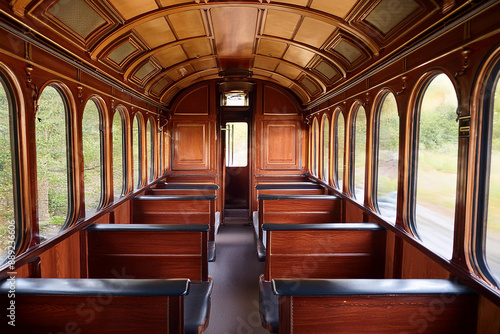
[(163, 46)]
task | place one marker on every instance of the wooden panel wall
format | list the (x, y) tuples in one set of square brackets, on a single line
[(191, 145)]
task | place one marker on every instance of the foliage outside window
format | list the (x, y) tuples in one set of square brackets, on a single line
[(92, 156), (8, 224), (387, 162), (339, 149), (118, 132), (136, 151), (326, 149), (359, 149), (437, 165), (52, 149), (492, 245)]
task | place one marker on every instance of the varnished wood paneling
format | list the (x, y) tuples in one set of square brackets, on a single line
[(195, 102), (62, 260), (488, 321), (418, 265), (191, 145), (93, 314), (277, 102), (383, 314), (281, 145)]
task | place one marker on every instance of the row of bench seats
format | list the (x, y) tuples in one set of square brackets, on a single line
[(140, 277), (325, 276)]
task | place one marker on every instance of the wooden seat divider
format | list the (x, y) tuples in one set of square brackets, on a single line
[(177, 209), (391, 306), (151, 251), (94, 306), (336, 250), (294, 209)]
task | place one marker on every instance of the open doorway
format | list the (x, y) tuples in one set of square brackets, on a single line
[(237, 169)]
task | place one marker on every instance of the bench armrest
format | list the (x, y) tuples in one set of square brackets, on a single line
[(361, 287), (91, 286), (323, 227), (149, 227)]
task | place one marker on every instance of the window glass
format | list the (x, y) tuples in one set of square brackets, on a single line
[(118, 131), (237, 144), (160, 143), (234, 99), (388, 151), (92, 156), (339, 149), (437, 165), (359, 148), (8, 226), (136, 151), (149, 151), (326, 149), (492, 250), (52, 149), (315, 148)]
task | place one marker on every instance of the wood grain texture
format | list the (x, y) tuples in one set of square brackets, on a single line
[(96, 314), (383, 314)]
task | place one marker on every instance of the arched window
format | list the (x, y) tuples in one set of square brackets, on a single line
[(52, 153), (436, 162), (339, 141), (315, 147), (358, 148), (119, 156), (150, 142), (326, 148), (487, 227), (161, 149), (137, 152), (492, 244), (92, 136), (9, 223), (387, 153)]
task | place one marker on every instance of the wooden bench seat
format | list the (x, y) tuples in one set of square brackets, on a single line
[(119, 306), (148, 250), (294, 209), (177, 209), (391, 306), (337, 250)]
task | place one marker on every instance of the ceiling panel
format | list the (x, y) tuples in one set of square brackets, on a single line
[(204, 64), (348, 51), (281, 23), (181, 72), (338, 8), (288, 71), (144, 70), (293, 2), (171, 56), (119, 54), (160, 85), (155, 32), (130, 9), (298, 56), (314, 32), (283, 81), (310, 86), (327, 70), (187, 24), (166, 3), (266, 63), (77, 15), (197, 48), (271, 48), (387, 14)]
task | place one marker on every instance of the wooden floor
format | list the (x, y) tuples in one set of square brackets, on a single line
[(235, 298)]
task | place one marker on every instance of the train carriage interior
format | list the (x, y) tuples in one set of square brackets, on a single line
[(250, 166)]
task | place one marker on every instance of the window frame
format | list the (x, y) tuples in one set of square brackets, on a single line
[(415, 106), (137, 184), (488, 78), (69, 109), (355, 108), (325, 130), (14, 100), (335, 148), (314, 148), (101, 110), (377, 113)]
